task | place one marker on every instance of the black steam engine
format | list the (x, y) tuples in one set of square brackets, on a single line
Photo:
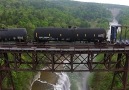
[(55, 34)]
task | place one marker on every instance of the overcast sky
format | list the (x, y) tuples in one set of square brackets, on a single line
[(120, 2)]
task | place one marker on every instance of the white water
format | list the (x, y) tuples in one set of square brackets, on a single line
[(63, 82)]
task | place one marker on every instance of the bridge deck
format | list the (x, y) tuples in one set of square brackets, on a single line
[(64, 47)]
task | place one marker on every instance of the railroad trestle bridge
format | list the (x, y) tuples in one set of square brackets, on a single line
[(64, 58)]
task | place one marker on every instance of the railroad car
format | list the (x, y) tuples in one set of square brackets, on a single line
[(90, 34), (13, 34), (70, 34)]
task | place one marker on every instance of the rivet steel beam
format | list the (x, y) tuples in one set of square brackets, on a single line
[(67, 58)]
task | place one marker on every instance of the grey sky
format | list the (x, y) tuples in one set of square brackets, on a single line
[(120, 2)]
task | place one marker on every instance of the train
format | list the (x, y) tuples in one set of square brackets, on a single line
[(44, 34)]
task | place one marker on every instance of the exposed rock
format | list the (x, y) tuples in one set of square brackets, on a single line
[(37, 85)]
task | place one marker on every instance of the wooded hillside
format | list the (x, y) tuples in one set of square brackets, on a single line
[(59, 13)]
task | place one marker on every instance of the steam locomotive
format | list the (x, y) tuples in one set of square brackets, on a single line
[(55, 34)]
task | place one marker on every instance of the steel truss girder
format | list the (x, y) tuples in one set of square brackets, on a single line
[(66, 61), (55, 61), (122, 76)]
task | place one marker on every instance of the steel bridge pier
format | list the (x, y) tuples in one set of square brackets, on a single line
[(121, 75), (64, 59)]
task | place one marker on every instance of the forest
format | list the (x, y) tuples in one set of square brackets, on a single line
[(123, 17), (30, 14)]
